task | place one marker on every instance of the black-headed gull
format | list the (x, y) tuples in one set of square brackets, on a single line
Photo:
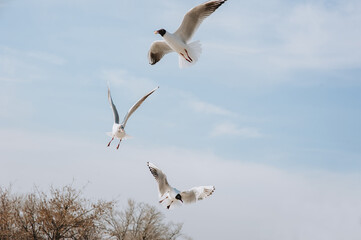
[(178, 41), (169, 196), (118, 128)]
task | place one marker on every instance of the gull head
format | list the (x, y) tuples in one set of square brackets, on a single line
[(121, 128), (179, 197), (160, 31)]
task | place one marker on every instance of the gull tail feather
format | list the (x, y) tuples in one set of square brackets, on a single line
[(127, 136), (110, 134), (194, 50)]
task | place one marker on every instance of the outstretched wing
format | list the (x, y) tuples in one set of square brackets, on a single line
[(115, 112), (157, 50), (161, 178), (135, 106), (195, 17), (197, 193)]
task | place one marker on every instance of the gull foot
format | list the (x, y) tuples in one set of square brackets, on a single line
[(188, 55), (119, 143), (185, 57), (163, 199), (110, 141)]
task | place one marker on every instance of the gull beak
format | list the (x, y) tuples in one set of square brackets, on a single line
[(156, 32)]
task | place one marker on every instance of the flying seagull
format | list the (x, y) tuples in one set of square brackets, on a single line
[(118, 128), (169, 196), (178, 41)]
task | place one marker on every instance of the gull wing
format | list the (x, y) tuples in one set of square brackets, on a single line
[(163, 185), (197, 193), (135, 106), (115, 112), (195, 17), (157, 50)]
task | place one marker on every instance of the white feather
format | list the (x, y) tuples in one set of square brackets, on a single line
[(194, 50)]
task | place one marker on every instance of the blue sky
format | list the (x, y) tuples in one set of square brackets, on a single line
[(273, 103)]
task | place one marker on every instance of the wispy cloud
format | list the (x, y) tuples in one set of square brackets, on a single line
[(3, 3), (46, 57), (20, 66), (284, 204), (207, 108), (12, 107), (317, 35), (232, 129), (120, 77)]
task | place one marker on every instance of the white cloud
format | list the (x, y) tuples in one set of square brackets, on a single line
[(207, 108), (282, 37), (12, 107), (7, 79), (20, 66), (46, 57), (315, 36), (251, 201), (3, 3), (231, 129), (136, 85)]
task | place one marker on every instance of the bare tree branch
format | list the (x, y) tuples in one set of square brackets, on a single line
[(64, 214)]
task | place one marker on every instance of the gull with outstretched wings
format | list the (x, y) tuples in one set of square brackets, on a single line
[(170, 196), (118, 128), (178, 41)]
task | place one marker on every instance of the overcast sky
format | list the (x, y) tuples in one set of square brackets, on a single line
[(270, 114)]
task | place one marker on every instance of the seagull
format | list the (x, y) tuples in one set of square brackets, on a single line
[(118, 129), (169, 196), (178, 41)]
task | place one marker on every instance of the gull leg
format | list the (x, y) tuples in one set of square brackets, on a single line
[(110, 141), (188, 55), (184, 57), (119, 143), (169, 205), (163, 199)]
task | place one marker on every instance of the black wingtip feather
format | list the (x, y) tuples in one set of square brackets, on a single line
[(152, 171)]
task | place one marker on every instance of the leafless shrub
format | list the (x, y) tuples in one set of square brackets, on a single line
[(64, 214), (141, 221), (8, 227)]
